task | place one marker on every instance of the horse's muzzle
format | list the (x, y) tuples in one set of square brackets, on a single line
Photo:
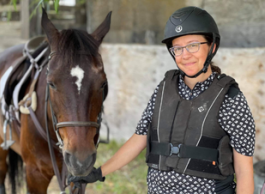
[(79, 168)]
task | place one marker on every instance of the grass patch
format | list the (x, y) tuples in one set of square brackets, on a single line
[(131, 179)]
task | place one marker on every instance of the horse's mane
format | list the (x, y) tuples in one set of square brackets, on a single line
[(74, 42)]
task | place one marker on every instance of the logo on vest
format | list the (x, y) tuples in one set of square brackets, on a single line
[(178, 29), (200, 109)]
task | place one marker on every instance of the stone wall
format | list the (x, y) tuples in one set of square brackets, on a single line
[(241, 22), (134, 71), (133, 21)]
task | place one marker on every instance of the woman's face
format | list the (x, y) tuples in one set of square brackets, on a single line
[(191, 63)]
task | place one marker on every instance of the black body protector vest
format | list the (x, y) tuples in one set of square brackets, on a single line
[(185, 135)]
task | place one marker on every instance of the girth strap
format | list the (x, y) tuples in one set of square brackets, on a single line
[(184, 151)]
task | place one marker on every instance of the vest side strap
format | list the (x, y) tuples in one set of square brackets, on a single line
[(184, 151), (200, 153), (160, 148)]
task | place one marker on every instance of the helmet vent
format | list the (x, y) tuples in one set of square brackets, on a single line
[(179, 16)]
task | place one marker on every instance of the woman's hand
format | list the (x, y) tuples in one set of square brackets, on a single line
[(244, 173), (93, 176)]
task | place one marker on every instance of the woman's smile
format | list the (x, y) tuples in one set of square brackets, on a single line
[(189, 64)]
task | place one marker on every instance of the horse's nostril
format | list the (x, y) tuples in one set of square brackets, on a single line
[(67, 157)]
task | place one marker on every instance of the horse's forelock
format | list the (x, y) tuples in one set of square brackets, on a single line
[(74, 42)]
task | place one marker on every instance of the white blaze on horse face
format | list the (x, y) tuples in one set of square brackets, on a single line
[(79, 73)]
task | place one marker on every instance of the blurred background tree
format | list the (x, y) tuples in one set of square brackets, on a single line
[(63, 13)]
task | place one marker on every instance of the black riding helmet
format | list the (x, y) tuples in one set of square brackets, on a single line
[(192, 20)]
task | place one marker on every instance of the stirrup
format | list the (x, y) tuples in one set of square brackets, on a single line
[(7, 143)]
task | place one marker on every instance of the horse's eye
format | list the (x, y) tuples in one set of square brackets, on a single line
[(52, 85)]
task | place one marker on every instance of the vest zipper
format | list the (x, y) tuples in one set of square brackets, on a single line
[(171, 130), (159, 121)]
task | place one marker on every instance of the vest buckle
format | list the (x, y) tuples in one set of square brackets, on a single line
[(174, 150)]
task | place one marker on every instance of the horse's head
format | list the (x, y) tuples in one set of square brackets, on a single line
[(76, 83)]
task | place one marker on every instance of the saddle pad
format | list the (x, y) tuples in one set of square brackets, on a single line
[(18, 70), (4, 80)]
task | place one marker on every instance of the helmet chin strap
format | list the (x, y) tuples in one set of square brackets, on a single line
[(206, 64), (203, 70)]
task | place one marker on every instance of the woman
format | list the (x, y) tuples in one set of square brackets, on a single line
[(199, 128)]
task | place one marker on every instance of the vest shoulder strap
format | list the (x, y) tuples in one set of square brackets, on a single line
[(171, 73), (233, 91), (224, 80)]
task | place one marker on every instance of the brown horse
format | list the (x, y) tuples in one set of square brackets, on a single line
[(76, 82)]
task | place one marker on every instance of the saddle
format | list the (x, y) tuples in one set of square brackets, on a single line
[(18, 74), (17, 78)]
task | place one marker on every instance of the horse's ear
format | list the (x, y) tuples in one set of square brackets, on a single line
[(103, 28), (49, 29)]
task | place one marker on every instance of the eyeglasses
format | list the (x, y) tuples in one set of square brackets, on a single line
[(192, 48)]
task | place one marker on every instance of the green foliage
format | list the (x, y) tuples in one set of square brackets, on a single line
[(9, 14), (56, 5), (36, 4), (33, 3), (80, 1), (14, 2)]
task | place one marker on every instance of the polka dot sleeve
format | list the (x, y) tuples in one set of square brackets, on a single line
[(236, 119), (142, 126)]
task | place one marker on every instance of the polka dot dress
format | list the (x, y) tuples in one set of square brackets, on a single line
[(234, 117)]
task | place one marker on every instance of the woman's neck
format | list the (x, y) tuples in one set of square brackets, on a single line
[(191, 82)]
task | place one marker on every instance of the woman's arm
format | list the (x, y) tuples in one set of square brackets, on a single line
[(135, 144), (244, 173), (131, 149)]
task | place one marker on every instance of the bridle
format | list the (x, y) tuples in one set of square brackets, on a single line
[(57, 125)]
